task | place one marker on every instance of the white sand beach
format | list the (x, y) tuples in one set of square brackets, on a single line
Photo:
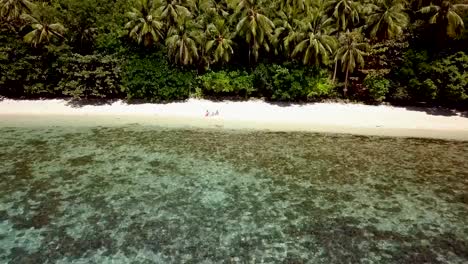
[(254, 114)]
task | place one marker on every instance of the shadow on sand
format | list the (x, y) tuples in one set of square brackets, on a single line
[(97, 102), (76, 103), (438, 111), (430, 110)]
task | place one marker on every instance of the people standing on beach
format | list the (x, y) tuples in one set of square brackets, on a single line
[(207, 114)]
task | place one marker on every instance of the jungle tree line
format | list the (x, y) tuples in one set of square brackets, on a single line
[(339, 35)]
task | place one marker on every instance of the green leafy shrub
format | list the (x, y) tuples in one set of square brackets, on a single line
[(377, 85), (443, 80), (152, 78), (232, 83), (286, 84), (319, 86), (26, 76), (263, 80), (89, 76), (411, 75), (423, 89), (300, 84), (291, 82), (450, 74), (399, 94), (23, 73)]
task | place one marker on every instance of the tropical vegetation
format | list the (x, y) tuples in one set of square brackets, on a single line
[(399, 51)]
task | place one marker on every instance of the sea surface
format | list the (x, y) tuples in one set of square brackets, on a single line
[(148, 194)]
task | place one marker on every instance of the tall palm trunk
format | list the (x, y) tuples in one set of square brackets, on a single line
[(441, 34), (334, 72), (345, 90), (336, 61)]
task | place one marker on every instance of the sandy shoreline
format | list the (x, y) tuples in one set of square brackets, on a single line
[(318, 117)]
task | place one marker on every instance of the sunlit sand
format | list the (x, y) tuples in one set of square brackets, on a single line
[(256, 114)]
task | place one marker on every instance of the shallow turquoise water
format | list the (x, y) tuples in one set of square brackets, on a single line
[(139, 194)]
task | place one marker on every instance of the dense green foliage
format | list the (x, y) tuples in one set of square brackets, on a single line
[(25, 73), (152, 78), (227, 83), (159, 50), (292, 82), (444, 79), (89, 76), (377, 85)]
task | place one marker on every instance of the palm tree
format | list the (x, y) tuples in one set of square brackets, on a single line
[(84, 37), (220, 44), (415, 5), (144, 25), (315, 44), (11, 10), (183, 41), (351, 53), (386, 18), (285, 27), (43, 31), (216, 7), (254, 26), (296, 6), (447, 16), (345, 13), (174, 10), (197, 8)]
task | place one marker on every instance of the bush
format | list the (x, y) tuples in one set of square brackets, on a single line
[(300, 84), (25, 76), (89, 76), (287, 85), (377, 85), (412, 73), (443, 80), (291, 82), (22, 72), (451, 76), (263, 81), (319, 86), (232, 83), (150, 77)]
